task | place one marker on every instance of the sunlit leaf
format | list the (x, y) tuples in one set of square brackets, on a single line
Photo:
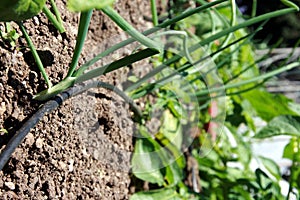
[(171, 128), (146, 164), (295, 107), (271, 166), (267, 105), (161, 194), (281, 125), (292, 150), (175, 153), (173, 173), (20, 10), (85, 5)]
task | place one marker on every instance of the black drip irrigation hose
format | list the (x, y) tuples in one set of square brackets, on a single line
[(50, 106)]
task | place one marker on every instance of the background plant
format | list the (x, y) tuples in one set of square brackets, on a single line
[(222, 163), (185, 79)]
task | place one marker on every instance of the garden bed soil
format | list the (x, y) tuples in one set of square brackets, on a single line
[(81, 150)]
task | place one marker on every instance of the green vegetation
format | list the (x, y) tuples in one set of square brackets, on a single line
[(206, 84), (9, 35), (20, 10)]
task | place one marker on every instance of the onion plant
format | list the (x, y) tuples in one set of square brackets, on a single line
[(21, 10), (189, 74)]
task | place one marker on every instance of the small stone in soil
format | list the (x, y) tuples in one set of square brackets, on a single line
[(10, 185), (39, 143), (71, 165), (29, 139)]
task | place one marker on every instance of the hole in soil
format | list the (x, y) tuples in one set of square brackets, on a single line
[(45, 188), (104, 27), (103, 122)]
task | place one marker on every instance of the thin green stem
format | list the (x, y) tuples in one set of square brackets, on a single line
[(53, 19), (85, 18), (8, 27), (148, 32), (175, 59), (89, 63), (237, 27), (116, 65), (185, 14), (56, 89), (205, 98), (123, 24), (246, 24), (153, 73), (35, 55), (154, 12), (290, 4), (252, 80), (235, 76), (296, 142), (184, 41), (70, 81), (57, 13), (254, 7)]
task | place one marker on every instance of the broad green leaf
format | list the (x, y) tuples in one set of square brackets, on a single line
[(296, 177), (295, 107), (146, 164), (271, 166), (288, 151), (233, 174), (267, 105), (262, 179), (154, 163), (281, 125), (19, 10), (240, 193), (175, 153), (173, 173), (85, 5), (161, 194), (171, 128), (292, 150)]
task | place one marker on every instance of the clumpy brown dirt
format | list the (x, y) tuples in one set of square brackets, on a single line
[(82, 150)]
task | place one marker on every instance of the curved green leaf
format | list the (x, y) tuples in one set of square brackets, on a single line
[(146, 163), (85, 5), (281, 125), (271, 166), (291, 150), (267, 105), (19, 10), (171, 128), (161, 194)]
